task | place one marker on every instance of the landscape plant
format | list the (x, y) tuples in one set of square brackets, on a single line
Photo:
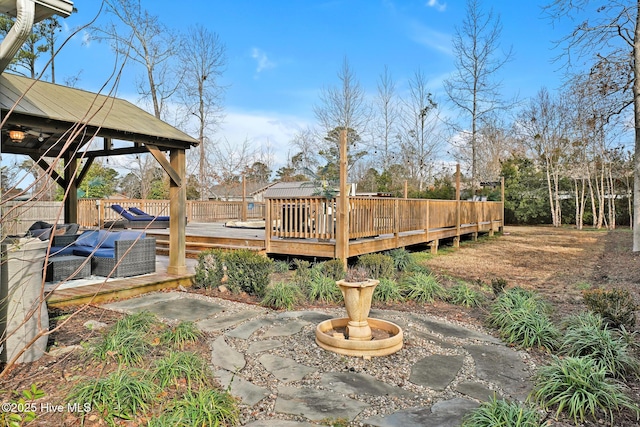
[(402, 258), (123, 394), (501, 412), (204, 407), (181, 334), (421, 287), (25, 401), (302, 272), (530, 328), (179, 365), (579, 387), (334, 269), (387, 291), (126, 346), (463, 294), (282, 296), (281, 266), (588, 335), (209, 269), (502, 311), (324, 289), (248, 271), (616, 306), (378, 265)]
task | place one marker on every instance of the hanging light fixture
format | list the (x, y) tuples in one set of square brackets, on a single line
[(16, 135)]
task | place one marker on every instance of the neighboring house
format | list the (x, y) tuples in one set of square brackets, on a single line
[(233, 192), (293, 189)]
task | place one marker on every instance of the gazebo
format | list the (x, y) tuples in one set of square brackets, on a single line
[(52, 123)]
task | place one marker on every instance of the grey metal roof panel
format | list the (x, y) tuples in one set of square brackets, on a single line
[(56, 102)]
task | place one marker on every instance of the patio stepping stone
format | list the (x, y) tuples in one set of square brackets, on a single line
[(279, 423), (226, 320), (436, 371), (316, 405), (289, 328), (249, 393), (224, 356), (308, 315), (184, 309), (433, 338), (260, 346), (476, 391), (451, 330), (502, 366), (146, 299), (448, 413), (358, 383), (247, 329), (283, 368)]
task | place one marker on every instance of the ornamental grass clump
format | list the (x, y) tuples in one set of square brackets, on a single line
[(181, 334), (204, 407), (387, 291), (181, 366), (123, 394), (616, 306), (464, 295), (402, 259), (323, 289), (588, 335), (580, 388), (501, 412), (421, 287), (522, 319), (282, 296), (334, 269)]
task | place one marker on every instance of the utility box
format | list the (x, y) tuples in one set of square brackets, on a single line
[(23, 310)]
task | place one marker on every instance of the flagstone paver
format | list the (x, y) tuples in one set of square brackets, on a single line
[(224, 321), (285, 369), (436, 371), (316, 405), (226, 357)]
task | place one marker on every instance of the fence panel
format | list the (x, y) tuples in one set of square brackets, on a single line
[(17, 216)]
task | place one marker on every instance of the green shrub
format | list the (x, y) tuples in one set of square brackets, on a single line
[(387, 291), (616, 306), (334, 269), (179, 365), (281, 296), (421, 288), (503, 413), (402, 259), (205, 407), (123, 394), (181, 334), (378, 265), (579, 387), (465, 295), (248, 271), (587, 335), (210, 268), (324, 289)]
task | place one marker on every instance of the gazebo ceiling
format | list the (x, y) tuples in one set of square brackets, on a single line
[(51, 116)]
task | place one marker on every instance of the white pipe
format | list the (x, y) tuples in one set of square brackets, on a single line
[(25, 17)]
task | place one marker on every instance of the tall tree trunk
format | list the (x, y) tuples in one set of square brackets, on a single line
[(636, 120)]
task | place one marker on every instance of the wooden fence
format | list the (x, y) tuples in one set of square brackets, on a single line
[(17, 217)]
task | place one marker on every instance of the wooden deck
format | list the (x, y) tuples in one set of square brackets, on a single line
[(93, 291)]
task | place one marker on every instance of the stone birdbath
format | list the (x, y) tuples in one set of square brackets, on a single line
[(358, 334)]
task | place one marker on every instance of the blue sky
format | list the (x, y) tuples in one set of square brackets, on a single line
[(282, 53)]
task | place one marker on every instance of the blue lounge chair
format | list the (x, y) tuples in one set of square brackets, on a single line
[(136, 221), (137, 211)]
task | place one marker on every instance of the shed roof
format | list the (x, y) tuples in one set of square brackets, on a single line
[(47, 111)]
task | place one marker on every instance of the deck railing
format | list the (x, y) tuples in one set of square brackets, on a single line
[(17, 217), (315, 217)]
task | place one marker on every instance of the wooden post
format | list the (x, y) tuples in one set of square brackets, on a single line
[(268, 226), (177, 215), (456, 240), (71, 203), (406, 188), (501, 228), (342, 231), (243, 215)]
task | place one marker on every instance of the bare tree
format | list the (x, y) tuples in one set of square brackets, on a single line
[(305, 144), (201, 92), (385, 126), (610, 37), (344, 107), (472, 88), (140, 36), (419, 136)]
